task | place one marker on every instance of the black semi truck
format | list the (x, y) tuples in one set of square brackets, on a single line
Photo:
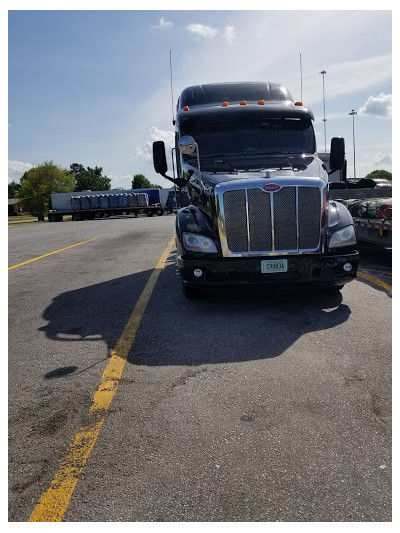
[(259, 207)]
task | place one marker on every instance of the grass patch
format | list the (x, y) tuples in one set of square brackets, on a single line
[(20, 217), (29, 218)]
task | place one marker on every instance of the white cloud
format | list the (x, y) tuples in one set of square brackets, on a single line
[(124, 181), (16, 169), (209, 32), (383, 160), (201, 30), (229, 34), (161, 135), (380, 105), (163, 23), (146, 151)]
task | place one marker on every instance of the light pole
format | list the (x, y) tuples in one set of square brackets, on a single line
[(323, 72), (352, 113)]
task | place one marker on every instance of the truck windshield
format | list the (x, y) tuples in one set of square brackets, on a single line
[(245, 139)]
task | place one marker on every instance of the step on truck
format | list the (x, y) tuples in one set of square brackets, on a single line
[(260, 211)]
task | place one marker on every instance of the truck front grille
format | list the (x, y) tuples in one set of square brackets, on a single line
[(253, 221)]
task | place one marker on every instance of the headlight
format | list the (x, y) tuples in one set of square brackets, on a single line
[(198, 243), (343, 237)]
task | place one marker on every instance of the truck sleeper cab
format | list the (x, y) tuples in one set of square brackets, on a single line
[(259, 202)]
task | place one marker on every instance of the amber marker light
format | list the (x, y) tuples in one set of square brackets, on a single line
[(186, 108), (243, 102), (224, 104), (298, 103), (261, 102)]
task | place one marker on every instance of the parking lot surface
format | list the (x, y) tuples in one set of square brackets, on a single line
[(236, 406)]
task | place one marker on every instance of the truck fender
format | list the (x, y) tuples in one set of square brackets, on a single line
[(190, 219), (338, 217)]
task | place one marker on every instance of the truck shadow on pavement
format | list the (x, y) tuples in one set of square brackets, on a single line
[(219, 326), (229, 325)]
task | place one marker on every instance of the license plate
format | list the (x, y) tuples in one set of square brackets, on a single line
[(275, 265)]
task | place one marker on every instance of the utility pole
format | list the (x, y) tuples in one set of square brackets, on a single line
[(323, 72), (352, 113)]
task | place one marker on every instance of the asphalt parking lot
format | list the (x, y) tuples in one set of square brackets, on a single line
[(129, 402)]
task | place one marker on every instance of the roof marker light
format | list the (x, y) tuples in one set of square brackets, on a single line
[(243, 102), (298, 103), (261, 102), (225, 104), (186, 108)]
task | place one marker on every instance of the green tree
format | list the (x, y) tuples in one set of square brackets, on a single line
[(141, 182), (13, 187), (76, 169), (381, 174), (90, 179), (38, 183)]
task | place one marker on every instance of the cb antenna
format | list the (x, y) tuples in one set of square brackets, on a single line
[(301, 80), (172, 93)]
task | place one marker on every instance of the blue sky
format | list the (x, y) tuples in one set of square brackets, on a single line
[(93, 87)]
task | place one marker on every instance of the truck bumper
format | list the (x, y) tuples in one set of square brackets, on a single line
[(322, 270)]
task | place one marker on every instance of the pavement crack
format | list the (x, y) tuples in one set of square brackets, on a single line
[(187, 375)]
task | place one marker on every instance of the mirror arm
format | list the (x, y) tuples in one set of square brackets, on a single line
[(180, 182)]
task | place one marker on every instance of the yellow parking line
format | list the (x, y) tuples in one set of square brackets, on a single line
[(54, 502), (375, 281), (51, 253)]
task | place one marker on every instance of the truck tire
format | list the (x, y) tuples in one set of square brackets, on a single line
[(160, 212), (189, 291), (54, 217), (335, 289), (150, 213)]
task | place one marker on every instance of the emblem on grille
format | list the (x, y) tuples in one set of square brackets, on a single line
[(271, 187)]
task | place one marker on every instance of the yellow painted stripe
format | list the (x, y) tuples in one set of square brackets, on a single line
[(54, 502), (51, 253), (375, 281)]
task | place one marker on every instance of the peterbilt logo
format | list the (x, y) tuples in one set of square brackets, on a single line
[(271, 187)]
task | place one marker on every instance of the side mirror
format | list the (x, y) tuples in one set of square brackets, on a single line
[(336, 161), (187, 145), (159, 158), (160, 163)]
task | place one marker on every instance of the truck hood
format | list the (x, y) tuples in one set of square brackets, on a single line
[(220, 171)]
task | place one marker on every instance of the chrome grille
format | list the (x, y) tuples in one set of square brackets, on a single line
[(309, 216), (236, 226), (285, 227), (253, 221), (260, 228)]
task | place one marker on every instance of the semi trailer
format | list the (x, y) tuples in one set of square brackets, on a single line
[(175, 200), (87, 205), (370, 204), (260, 210)]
